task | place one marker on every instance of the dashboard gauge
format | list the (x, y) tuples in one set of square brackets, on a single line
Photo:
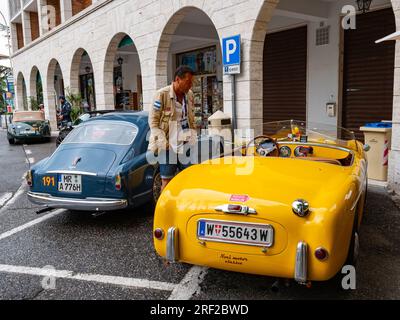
[(302, 151), (285, 152)]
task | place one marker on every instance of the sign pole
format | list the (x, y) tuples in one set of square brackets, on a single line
[(233, 89)]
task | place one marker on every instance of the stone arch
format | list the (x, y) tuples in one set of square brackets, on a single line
[(51, 107), (21, 94), (35, 86), (75, 73), (166, 39), (191, 37), (108, 70)]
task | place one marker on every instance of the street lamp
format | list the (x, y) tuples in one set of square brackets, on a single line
[(5, 27), (364, 5)]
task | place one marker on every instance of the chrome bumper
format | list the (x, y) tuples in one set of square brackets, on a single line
[(88, 204), (300, 273), (172, 245)]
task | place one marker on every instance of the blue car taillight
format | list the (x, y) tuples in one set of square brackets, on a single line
[(29, 179), (118, 183)]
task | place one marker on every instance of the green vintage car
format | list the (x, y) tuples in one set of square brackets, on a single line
[(27, 126)]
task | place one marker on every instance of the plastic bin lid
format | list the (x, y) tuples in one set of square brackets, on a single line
[(378, 125)]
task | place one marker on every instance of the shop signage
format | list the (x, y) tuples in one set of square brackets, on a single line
[(231, 52)]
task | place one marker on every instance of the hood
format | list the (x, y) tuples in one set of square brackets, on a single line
[(85, 159), (273, 181)]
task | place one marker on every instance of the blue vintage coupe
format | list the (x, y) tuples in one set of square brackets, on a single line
[(100, 166)]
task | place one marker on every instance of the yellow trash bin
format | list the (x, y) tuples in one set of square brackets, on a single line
[(378, 136)]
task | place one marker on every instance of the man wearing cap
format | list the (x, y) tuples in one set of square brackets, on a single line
[(65, 114)]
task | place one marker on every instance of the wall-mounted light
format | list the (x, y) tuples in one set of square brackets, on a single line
[(120, 61), (364, 5), (87, 69)]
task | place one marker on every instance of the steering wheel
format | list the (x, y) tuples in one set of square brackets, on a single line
[(264, 146)]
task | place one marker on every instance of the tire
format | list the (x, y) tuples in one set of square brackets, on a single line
[(354, 249), (156, 188), (11, 141)]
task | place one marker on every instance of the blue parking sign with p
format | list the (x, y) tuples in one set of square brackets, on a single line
[(231, 50)]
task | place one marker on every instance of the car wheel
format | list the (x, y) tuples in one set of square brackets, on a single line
[(354, 249), (156, 188), (11, 140)]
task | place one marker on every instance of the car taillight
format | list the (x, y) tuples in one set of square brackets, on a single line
[(118, 185), (321, 254), (29, 178), (159, 234)]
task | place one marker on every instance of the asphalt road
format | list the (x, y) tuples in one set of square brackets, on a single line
[(64, 255)]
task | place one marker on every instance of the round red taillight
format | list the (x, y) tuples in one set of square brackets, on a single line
[(159, 234), (321, 254)]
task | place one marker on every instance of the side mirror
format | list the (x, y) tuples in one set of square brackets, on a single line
[(367, 147)]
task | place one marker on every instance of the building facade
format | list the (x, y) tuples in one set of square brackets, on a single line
[(300, 58)]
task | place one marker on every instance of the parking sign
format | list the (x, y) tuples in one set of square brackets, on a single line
[(231, 54)]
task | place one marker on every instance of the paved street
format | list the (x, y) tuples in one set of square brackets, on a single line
[(112, 257)]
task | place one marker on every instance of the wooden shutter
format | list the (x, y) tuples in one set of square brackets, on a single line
[(285, 75), (368, 71)]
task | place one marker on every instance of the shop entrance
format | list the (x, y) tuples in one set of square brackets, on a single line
[(195, 43), (368, 71), (86, 83), (285, 75), (128, 93)]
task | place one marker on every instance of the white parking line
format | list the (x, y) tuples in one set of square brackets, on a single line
[(19, 192), (28, 152), (30, 224), (30, 160), (4, 198), (119, 281), (190, 284)]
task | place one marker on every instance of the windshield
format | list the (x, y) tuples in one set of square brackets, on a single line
[(28, 116), (103, 132), (293, 130)]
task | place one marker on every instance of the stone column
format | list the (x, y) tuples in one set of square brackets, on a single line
[(66, 10), (49, 100), (42, 14), (26, 26)]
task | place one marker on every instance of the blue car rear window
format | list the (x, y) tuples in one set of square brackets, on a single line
[(104, 132)]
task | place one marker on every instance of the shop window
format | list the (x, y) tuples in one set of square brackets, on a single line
[(20, 35), (80, 5), (207, 89), (34, 25)]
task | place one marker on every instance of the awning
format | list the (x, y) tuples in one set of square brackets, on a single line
[(393, 36)]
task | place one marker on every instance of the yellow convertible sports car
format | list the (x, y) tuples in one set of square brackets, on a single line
[(289, 204)]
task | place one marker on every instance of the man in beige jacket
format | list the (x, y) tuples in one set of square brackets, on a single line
[(171, 121)]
